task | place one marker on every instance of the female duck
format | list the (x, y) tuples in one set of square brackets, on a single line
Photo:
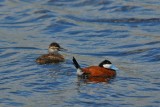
[(53, 56)]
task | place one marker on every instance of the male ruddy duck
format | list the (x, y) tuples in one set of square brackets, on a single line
[(100, 73), (53, 56)]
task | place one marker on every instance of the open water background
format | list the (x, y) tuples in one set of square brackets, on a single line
[(127, 32)]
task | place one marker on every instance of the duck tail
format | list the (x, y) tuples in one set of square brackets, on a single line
[(76, 63), (79, 70)]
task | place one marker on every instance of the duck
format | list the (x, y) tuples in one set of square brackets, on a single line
[(53, 55), (103, 70)]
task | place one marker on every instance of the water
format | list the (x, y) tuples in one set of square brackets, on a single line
[(125, 32)]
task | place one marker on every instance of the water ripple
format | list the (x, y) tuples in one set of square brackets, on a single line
[(124, 20), (125, 32)]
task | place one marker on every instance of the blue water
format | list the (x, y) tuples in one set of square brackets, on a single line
[(124, 31)]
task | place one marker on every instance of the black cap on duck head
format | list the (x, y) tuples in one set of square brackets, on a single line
[(105, 64), (54, 44)]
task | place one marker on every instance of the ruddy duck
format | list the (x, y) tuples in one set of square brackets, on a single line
[(53, 56), (103, 70)]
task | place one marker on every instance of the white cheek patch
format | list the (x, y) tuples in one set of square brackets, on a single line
[(52, 50), (110, 66), (107, 65)]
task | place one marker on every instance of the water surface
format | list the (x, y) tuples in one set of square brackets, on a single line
[(125, 32)]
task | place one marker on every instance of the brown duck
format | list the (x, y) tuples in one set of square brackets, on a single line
[(53, 56)]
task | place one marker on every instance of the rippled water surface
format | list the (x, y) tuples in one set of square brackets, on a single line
[(124, 31)]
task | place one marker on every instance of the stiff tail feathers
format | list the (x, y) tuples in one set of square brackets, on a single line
[(76, 63)]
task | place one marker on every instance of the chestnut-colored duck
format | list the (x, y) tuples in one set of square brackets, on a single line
[(103, 70)]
